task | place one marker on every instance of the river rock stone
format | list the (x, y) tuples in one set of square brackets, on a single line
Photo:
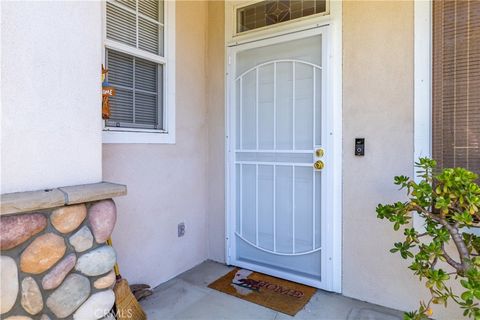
[(17, 229), (55, 277), (102, 216), (97, 262), (18, 318), (68, 218), (82, 239), (42, 253), (9, 281), (44, 317), (32, 300), (105, 281), (96, 307), (69, 296)]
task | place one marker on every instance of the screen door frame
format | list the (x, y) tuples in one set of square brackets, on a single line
[(331, 238)]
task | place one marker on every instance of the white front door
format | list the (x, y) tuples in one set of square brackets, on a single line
[(279, 127)]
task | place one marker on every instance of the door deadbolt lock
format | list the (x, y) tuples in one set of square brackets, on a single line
[(319, 165), (319, 153)]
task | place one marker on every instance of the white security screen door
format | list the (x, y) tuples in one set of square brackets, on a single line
[(279, 127)]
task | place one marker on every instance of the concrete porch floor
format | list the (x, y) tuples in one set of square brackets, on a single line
[(188, 297)]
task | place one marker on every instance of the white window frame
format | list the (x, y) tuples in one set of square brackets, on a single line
[(422, 86), (132, 135)]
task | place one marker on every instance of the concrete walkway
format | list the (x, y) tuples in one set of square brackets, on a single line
[(188, 297)]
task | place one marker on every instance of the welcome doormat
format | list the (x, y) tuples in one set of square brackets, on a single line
[(274, 293)]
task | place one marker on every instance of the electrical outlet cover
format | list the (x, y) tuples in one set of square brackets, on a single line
[(181, 229)]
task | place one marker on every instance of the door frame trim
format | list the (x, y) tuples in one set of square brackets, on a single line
[(333, 282)]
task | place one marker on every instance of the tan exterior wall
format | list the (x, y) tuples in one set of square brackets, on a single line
[(216, 130), (185, 182), (167, 184), (378, 56)]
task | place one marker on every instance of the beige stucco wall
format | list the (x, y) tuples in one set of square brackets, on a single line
[(378, 92), (167, 184), (377, 105), (50, 94), (51, 136), (185, 182), (216, 130)]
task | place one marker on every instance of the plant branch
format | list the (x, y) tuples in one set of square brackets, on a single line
[(459, 243), (458, 266), (456, 237)]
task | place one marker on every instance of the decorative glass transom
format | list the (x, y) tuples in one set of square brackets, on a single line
[(270, 12)]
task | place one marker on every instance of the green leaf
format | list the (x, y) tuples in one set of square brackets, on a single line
[(467, 295)]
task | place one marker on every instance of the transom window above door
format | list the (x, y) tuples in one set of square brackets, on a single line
[(270, 12)]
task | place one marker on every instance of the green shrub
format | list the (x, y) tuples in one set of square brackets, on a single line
[(448, 201)]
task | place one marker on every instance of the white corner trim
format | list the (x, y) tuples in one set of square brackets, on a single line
[(422, 78), (336, 49), (142, 136), (422, 86)]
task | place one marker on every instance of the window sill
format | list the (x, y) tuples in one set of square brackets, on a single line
[(110, 136)]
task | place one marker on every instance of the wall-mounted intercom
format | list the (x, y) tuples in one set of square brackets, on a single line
[(359, 146)]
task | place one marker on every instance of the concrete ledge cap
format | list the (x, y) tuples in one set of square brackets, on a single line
[(18, 202), (31, 200), (93, 192)]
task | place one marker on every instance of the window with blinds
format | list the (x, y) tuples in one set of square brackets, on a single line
[(134, 58), (456, 84)]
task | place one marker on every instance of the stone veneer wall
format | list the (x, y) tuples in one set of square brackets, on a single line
[(55, 262)]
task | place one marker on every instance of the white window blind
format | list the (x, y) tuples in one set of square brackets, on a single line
[(139, 101), (138, 91)]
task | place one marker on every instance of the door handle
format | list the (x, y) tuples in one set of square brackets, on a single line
[(319, 165), (319, 153)]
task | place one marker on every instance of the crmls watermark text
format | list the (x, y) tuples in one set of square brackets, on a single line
[(118, 314)]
